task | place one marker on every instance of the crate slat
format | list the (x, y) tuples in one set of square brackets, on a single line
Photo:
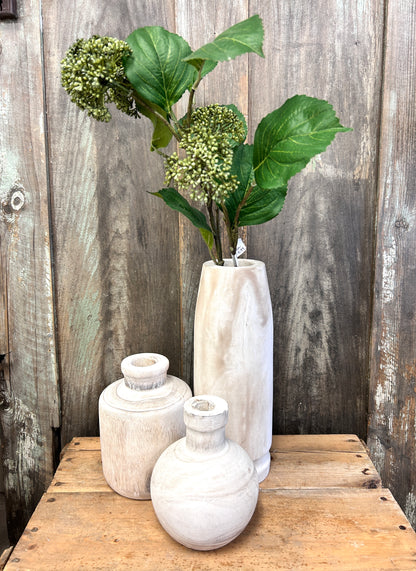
[(333, 528), (315, 510)]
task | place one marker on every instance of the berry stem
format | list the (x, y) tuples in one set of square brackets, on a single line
[(192, 95), (214, 223)]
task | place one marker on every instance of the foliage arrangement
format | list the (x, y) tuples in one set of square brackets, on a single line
[(215, 176)]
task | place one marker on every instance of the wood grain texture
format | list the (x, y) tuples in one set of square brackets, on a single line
[(346, 529), (4, 535), (233, 352), (315, 527), (226, 84), (4, 384), (116, 247), (318, 252), (4, 556), (392, 428), (318, 461), (30, 411), (318, 443), (321, 469)]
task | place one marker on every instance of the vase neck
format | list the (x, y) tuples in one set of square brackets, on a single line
[(205, 419), (144, 371), (213, 441)]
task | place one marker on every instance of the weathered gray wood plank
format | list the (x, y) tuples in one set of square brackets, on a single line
[(226, 84), (4, 384), (318, 252), (392, 427), (116, 247), (29, 413)]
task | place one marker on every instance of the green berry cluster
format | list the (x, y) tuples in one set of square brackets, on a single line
[(92, 73), (205, 171)]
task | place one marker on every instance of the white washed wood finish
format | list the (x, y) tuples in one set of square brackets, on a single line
[(204, 487), (122, 285), (140, 416), (233, 352)]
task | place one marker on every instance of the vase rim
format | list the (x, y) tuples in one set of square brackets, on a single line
[(144, 370), (228, 264), (206, 405), (205, 413)]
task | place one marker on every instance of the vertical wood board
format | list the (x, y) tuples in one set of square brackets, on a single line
[(392, 427), (318, 251), (116, 247), (29, 413), (4, 381)]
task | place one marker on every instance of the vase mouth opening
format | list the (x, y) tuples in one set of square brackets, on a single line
[(205, 412), (202, 405), (144, 370), (141, 361)]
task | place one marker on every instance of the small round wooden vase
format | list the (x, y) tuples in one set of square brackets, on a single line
[(140, 416), (204, 487)]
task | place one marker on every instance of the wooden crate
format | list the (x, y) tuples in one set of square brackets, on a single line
[(321, 507)]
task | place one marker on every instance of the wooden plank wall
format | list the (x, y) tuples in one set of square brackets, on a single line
[(116, 247), (392, 428), (29, 395), (126, 269), (318, 253)]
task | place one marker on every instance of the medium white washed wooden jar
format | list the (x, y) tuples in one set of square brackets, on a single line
[(233, 352), (204, 487), (140, 416)]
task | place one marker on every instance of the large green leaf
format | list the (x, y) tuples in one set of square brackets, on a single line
[(290, 136), (262, 205), (242, 168), (244, 37), (155, 68), (208, 237)]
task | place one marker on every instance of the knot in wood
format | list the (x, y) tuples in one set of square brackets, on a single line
[(17, 200), (5, 403), (13, 202), (402, 224)]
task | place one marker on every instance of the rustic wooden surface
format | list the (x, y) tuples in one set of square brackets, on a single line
[(301, 462), (392, 429), (29, 395), (4, 556), (318, 252), (4, 376), (126, 268), (318, 524), (116, 247)]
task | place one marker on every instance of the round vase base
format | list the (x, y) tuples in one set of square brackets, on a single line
[(262, 466)]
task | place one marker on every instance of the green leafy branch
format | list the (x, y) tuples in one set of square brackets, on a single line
[(231, 182)]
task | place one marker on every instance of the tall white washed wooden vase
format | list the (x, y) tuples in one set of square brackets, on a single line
[(233, 352)]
